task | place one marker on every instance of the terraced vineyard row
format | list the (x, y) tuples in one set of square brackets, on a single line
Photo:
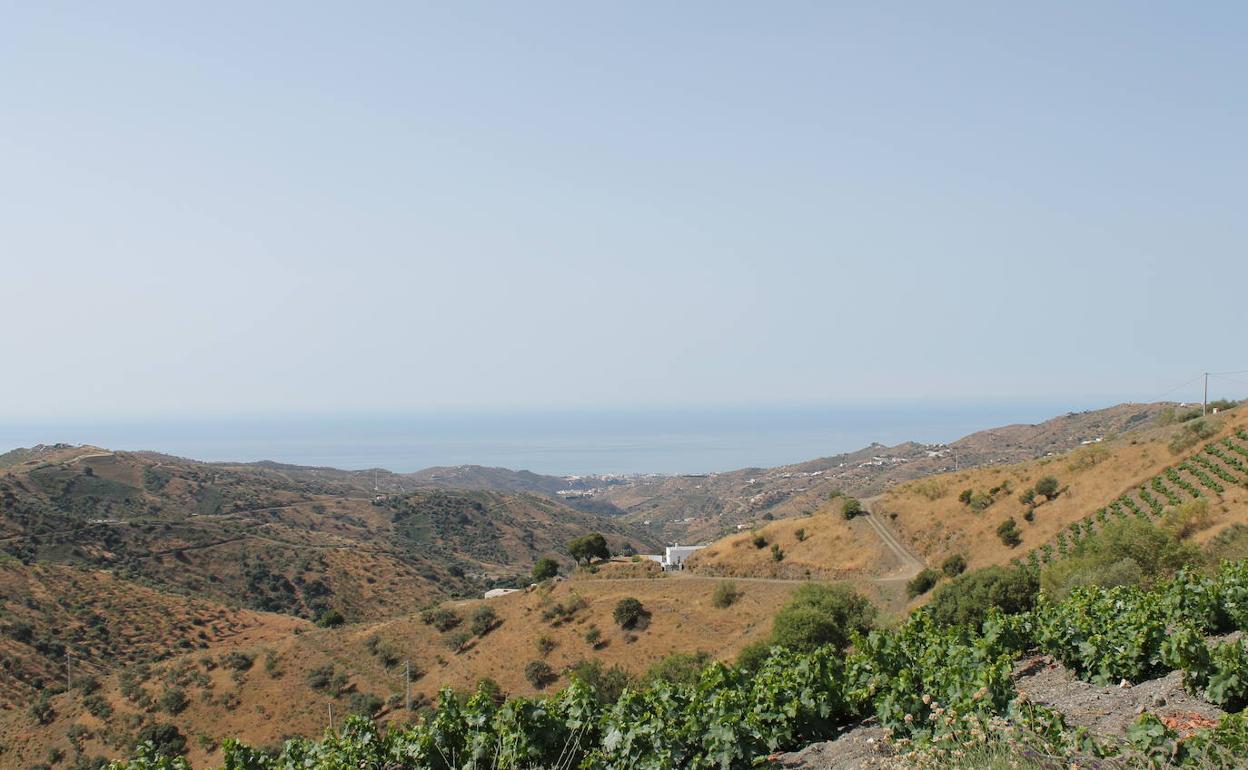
[(1218, 466)]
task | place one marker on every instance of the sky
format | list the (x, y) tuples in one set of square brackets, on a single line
[(230, 208)]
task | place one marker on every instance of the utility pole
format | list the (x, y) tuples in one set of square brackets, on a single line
[(407, 682), (331, 717), (69, 672), (1204, 407)]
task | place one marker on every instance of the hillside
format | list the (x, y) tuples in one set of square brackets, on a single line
[(1134, 474), (703, 507), (269, 693), (117, 534)]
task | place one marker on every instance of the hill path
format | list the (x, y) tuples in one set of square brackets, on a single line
[(911, 564)]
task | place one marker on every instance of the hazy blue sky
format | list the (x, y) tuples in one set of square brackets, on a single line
[(295, 206)]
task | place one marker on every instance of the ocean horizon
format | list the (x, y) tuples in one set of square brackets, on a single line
[(572, 442)]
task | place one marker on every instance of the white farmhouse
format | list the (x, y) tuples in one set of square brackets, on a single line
[(675, 555)]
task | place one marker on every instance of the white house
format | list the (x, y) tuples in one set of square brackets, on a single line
[(675, 555), (496, 592)]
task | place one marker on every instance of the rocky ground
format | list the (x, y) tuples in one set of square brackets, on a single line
[(1106, 710)]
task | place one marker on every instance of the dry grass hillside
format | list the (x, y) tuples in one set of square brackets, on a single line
[(285, 684), (1139, 473), (823, 545)]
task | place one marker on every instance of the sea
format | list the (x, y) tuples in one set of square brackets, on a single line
[(556, 442)]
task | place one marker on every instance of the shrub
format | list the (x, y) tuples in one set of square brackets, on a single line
[(167, 739), (629, 612), (1047, 487), (725, 594), (589, 547), (1187, 518), (922, 583), (593, 635), (173, 700), (457, 641), (800, 534), (1192, 433), (980, 501), (1027, 497), (330, 618), (851, 508), (759, 541), (753, 655), (97, 706), (776, 553), (965, 496), (364, 703), (821, 614), (1008, 532), (326, 679), (1128, 552), (608, 684), (238, 661), (953, 566), (968, 598), (679, 667), (539, 673), (441, 618), (545, 568), (544, 645), (483, 620), (42, 709)]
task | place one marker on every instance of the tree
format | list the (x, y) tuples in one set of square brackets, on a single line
[(608, 684), (545, 568), (1027, 497), (483, 620), (1047, 487), (589, 547), (851, 508), (364, 703), (821, 614), (1008, 532), (965, 496), (629, 612)]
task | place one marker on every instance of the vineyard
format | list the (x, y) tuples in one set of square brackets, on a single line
[(1209, 472), (939, 690)]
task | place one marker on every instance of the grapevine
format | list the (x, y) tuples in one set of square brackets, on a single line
[(1154, 505), (1173, 476), (1160, 488), (1202, 477)]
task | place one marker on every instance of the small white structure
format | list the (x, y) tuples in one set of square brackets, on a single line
[(675, 555), (494, 593)]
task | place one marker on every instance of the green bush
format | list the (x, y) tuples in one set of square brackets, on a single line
[(776, 553), (167, 739), (608, 683), (173, 700), (364, 704), (1008, 532), (759, 541), (545, 568), (1047, 487), (922, 583), (457, 641), (965, 496), (42, 709), (1027, 497), (821, 614), (725, 594), (968, 598), (800, 534), (330, 618), (544, 645), (539, 673), (851, 507), (679, 667), (629, 613), (953, 566), (1128, 552), (484, 619), (441, 618)]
